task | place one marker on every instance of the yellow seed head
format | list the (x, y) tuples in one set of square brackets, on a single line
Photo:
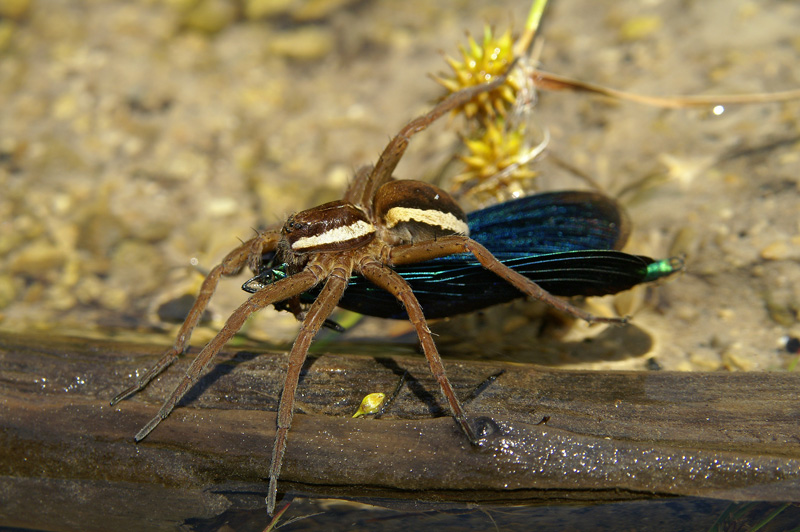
[(479, 64), (497, 160)]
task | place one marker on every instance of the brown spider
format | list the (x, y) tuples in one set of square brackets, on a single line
[(380, 223)]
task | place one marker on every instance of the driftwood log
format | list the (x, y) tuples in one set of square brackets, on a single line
[(605, 436)]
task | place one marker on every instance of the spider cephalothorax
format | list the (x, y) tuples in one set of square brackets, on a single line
[(380, 224)]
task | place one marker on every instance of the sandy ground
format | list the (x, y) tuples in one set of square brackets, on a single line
[(133, 146)]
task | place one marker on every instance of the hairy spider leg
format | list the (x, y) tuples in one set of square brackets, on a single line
[(382, 171), (231, 265), (316, 315), (279, 291), (455, 244), (386, 278)]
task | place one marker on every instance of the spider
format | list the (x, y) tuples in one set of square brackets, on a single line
[(381, 222)]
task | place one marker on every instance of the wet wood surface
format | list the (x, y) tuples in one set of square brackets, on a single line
[(607, 436)]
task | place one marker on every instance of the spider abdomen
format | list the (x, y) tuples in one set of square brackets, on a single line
[(412, 211)]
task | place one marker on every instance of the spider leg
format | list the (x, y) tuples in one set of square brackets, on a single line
[(284, 288), (391, 155), (316, 315), (232, 264), (391, 281), (455, 244)]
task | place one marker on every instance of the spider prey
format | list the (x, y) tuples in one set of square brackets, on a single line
[(380, 223)]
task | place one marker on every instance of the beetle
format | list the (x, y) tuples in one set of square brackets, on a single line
[(380, 224)]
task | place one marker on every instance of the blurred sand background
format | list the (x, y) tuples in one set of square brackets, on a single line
[(138, 138)]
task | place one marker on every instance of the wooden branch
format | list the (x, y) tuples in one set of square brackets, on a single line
[(608, 436)]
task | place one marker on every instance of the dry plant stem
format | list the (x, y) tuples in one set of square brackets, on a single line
[(231, 265), (554, 82), (454, 244)]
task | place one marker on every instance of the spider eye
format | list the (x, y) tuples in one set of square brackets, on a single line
[(291, 225)]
